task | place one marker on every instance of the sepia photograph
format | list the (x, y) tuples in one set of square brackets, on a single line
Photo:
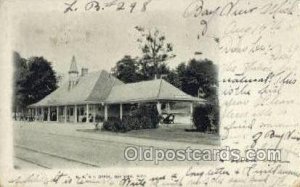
[(82, 95), (149, 93)]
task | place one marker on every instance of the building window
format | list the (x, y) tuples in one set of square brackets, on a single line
[(81, 111), (71, 111)]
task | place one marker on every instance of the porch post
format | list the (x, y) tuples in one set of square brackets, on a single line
[(158, 106), (57, 113), (43, 114), (94, 113), (121, 111), (65, 113), (87, 113), (75, 113), (48, 115), (105, 113), (168, 107), (36, 114), (191, 108)]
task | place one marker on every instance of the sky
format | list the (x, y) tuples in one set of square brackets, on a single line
[(99, 40)]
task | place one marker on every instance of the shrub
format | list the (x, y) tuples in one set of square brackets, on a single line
[(143, 117), (114, 124), (215, 117), (148, 116), (201, 117), (206, 117), (130, 123)]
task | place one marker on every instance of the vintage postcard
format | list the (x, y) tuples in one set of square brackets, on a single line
[(150, 93)]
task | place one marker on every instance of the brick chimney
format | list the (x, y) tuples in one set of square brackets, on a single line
[(84, 71)]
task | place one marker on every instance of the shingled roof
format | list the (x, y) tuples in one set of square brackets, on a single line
[(147, 91), (91, 88), (101, 87)]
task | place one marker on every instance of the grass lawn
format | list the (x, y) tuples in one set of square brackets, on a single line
[(174, 132)]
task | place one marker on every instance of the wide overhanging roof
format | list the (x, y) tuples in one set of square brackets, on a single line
[(148, 91), (101, 87)]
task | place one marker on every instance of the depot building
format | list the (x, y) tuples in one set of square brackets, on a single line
[(94, 96)]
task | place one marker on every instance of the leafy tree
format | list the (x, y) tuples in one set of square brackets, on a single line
[(127, 70), (39, 81), (20, 72), (156, 51), (200, 78), (33, 79), (177, 76), (173, 78)]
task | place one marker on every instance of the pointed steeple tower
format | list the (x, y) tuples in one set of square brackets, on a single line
[(73, 67), (73, 73)]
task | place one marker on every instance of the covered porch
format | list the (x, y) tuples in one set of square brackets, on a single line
[(159, 92), (76, 113), (118, 102), (94, 113)]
